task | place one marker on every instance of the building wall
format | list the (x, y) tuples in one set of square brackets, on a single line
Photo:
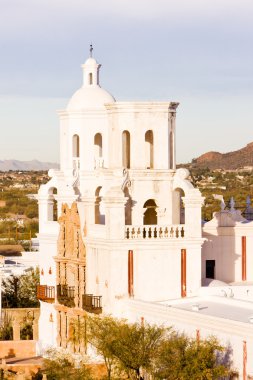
[(224, 245)]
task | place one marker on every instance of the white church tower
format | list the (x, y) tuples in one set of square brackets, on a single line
[(117, 220)]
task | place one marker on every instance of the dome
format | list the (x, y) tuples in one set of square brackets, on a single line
[(91, 61), (89, 97)]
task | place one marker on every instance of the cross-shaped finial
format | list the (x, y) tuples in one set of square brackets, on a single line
[(91, 49)]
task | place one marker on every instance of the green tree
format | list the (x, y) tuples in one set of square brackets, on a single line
[(181, 358), (136, 347), (125, 348), (6, 331), (27, 292), (59, 366), (101, 333), (21, 291)]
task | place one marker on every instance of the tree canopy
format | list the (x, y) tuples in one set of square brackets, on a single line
[(21, 291), (131, 350)]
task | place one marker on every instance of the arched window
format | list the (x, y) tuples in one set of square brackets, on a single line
[(126, 149), (178, 215), (75, 146), (52, 205), (98, 151), (98, 145), (99, 212), (149, 150), (150, 215), (90, 78)]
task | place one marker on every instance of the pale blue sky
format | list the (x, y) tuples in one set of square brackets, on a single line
[(197, 52)]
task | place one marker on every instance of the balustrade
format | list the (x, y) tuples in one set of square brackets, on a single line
[(65, 295), (92, 304), (154, 232), (46, 293)]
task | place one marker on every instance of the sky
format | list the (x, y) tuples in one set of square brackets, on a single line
[(197, 52)]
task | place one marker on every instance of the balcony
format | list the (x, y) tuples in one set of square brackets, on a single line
[(66, 295), (46, 293), (92, 304), (155, 232)]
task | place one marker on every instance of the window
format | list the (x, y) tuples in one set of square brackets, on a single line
[(98, 145), (150, 215), (149, 150), (210, 269), (126, 149), (75, 146), (90, 78), (99, 213)]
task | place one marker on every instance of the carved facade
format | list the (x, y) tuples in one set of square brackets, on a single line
[(70, 273)]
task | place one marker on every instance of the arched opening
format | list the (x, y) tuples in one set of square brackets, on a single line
[(178, 207), (149, 150), (150, 215), (126, 149), (76, 154), (52, 205), (90, 78), (128, 207), (99, 212), (98, 145), (75, 146)]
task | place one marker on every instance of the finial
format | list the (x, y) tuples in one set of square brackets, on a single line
[(248, 202), (91, 49), (232, 204)]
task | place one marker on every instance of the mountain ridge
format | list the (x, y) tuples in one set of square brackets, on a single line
[(36, 165), (228, 161)]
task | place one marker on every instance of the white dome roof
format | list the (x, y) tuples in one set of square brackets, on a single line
[(89, 97)]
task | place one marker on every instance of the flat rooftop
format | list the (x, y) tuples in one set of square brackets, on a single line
[(220, 307)]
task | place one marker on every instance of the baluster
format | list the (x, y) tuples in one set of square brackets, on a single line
[(155, 233), (171, 232), (127, 233), (133, 233), (149, 232), (182, 232), (144, 233), (138, 233), (177, 232), (160, 232)]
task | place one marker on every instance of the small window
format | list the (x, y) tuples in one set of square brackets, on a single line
[(149, 150), (126, 149), (90, 78), (150, 215), (210, 269), (75, 146)]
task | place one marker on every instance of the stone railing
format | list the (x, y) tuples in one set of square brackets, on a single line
[(154, 232), (66, 295), (46, 293), (92, 304)]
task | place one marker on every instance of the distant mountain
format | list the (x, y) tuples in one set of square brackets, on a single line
[(229, 161), (7, 165)]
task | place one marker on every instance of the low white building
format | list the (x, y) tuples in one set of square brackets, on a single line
[(129, 237)]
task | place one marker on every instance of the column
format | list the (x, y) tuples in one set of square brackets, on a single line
[(244, 259), (244, 376), (35, 329), (172, 141), (130, 274), (183, 272), (16, 330), (114, 202), (193, 202)]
